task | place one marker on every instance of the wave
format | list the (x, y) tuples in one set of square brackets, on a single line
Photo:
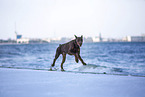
[(88, 69)]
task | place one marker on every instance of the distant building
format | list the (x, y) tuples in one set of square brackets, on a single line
[(7, 41), (64, 39), (47, 39), (55, 40), (98, 38), (19, 38), (88, 40), (134, 39), (23, 40)]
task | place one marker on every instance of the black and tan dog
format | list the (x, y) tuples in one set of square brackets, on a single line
[(71, 48)]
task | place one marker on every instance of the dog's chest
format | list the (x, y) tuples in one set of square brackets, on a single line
[(75, 49)]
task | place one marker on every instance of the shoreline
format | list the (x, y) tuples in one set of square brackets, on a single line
[(104, 73)]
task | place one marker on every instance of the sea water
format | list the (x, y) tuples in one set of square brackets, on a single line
[(107, 58)]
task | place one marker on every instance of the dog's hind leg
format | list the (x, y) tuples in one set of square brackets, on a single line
[(56, 56), (63, 60)]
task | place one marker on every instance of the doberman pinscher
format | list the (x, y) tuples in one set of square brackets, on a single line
[(71, 48)]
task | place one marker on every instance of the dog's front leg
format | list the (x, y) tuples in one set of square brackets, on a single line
[(76, 58), (79, 57)]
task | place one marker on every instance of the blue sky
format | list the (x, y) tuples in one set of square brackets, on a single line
[(64, 18)]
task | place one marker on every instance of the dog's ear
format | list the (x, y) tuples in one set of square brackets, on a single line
[(82, 36), (75, 36)]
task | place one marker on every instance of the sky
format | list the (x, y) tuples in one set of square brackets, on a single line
[(64, 18)]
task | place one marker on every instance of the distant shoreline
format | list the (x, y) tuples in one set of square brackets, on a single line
[(61, 43)]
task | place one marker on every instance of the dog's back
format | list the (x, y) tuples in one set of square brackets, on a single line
[(72, 46)]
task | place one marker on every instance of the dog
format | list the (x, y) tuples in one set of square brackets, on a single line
[(71, 48)]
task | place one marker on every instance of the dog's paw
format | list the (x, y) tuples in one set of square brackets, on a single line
[(50, 69), (84, 64), (62, 70), (77, 61)]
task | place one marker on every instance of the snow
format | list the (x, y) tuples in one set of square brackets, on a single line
[(39, 83)]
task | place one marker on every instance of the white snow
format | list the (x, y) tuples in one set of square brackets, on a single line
[(38, 83)]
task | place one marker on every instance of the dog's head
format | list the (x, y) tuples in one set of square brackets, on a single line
[(79, 40)]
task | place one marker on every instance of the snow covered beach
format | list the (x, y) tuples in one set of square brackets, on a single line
[(39, 83)]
